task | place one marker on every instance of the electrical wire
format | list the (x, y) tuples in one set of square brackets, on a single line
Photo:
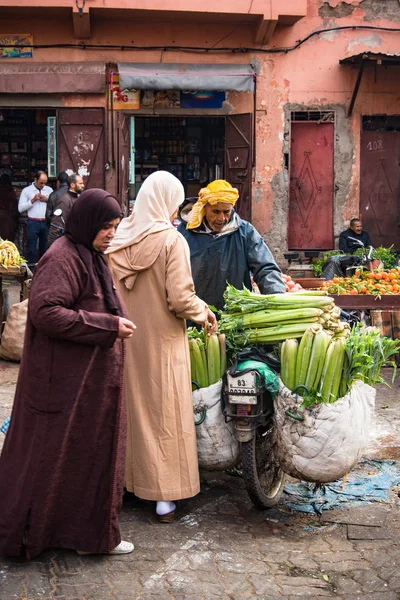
[(235, 49)]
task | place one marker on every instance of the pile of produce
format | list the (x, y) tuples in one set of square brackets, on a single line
[(385, 255), (9, 255), (250, 318), (325, 368), (376, 282), (290, 285), (207, 357), (318, 263)]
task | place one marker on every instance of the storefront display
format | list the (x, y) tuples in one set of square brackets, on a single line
[(191, 148), (23, 144)]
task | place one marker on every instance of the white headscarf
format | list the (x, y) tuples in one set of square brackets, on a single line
[(159, 197)]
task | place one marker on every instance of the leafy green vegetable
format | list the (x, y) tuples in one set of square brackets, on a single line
[(385, 255), (318, 263), (367, 352)]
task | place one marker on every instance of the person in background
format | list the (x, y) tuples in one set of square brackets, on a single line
[(150, 264), (33, 200), (355, 231), (62, 188), (225, 248), (63, 203), (62, 464), (8, 209)]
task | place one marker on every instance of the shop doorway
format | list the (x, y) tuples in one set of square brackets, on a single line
[(196, 149), (380, 179), (24, 147)]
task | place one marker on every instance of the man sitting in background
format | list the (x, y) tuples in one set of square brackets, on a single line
[(63, 203), (347, 243)]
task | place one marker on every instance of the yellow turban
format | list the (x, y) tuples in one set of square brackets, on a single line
[(216, 191)]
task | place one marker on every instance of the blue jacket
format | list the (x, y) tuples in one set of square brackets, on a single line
[(230, 257)]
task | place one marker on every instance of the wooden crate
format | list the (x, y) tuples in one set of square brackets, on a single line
[(13, 271), (367, 302), (309, 283)]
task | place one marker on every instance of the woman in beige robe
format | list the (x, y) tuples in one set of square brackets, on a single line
[(150, 263)]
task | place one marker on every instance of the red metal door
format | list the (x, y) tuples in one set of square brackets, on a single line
[(123, 139), (380, 186), (310, 222), (238, 159), (80, 143)]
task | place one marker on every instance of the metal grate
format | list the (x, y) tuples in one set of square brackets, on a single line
[(321, 116), (381, 123)]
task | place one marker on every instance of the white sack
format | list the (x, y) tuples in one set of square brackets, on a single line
[(330, 440), (217, 446), (12, 338)]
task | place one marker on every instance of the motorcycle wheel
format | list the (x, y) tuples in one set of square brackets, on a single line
[(263, 478)]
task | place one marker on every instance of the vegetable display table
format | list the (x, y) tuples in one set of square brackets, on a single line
[(367, 301), (19, 273)]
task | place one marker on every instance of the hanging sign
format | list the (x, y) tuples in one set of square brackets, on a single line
[(124, 99), (16, 45), (202, 99)]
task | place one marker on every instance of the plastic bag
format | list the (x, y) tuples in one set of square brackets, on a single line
[(12, 338), (217, 446), (330, 438), (268, 379)]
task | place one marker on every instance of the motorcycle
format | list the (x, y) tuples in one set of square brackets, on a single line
[(247, 402), (345, 265)]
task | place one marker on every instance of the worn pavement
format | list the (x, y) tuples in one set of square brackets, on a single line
[(221, 547)]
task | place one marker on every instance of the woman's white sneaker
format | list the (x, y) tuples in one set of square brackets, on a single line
[(123, 548)]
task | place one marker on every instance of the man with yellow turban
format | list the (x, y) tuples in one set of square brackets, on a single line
[(225, 248)]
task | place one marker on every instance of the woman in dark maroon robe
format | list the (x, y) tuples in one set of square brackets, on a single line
[(62, 465), (8, 209)]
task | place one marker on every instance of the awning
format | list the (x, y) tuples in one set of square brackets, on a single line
[(371, 58), (187, 77), (367, 59), (49, 78)]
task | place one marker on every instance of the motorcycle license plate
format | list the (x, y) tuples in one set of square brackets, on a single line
[(243, 399), (243, 389)]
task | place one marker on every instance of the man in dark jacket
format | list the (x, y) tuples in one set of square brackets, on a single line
[(64, 203), (225, 248), (348, 239), (62, 188)]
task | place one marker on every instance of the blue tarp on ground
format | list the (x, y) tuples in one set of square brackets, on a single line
[(371, 482)]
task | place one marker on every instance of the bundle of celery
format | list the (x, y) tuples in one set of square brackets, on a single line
[(323, 367), (313, 368), (250, 318), (207, 357)]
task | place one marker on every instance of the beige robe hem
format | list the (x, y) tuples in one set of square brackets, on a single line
[(178, 494)]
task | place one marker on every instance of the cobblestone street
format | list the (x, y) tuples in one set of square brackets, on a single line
[(222, 547)]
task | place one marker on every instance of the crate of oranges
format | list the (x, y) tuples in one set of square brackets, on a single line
[(375, 283)]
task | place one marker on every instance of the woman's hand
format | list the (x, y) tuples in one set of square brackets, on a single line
[(126, 328), (211, 324)]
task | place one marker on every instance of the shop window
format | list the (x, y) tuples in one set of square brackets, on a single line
[(321, 116)]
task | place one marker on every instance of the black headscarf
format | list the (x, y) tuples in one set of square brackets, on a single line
[(88, 215)]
